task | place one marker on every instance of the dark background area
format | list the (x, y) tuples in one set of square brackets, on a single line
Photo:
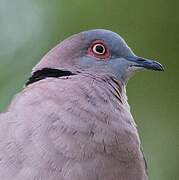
[(30, 28)]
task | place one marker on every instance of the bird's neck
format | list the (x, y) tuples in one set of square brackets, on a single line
[(119, 90), (115, 87)]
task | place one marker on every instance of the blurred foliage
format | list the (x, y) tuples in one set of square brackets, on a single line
[(30, 28)]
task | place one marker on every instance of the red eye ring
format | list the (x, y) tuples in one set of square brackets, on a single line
[(99, 50)]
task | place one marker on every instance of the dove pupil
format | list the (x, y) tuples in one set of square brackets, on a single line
[(100, 49)]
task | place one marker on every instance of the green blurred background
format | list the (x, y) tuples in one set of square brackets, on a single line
[(30, 28)]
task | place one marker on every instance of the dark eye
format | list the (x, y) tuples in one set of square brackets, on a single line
[(99, 49)]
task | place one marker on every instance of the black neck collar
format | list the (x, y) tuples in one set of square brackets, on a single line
[(47, 72)]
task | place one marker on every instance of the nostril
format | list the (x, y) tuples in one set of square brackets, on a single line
[(141, 60)]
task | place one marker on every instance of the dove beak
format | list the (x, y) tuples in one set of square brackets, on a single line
[(145, 63)]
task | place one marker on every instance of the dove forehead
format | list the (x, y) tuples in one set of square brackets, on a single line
[(105, 35), (113, 40)]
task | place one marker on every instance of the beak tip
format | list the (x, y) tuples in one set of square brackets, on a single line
[(162, 69), (157, 66)]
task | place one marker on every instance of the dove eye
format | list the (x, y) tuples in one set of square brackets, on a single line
[(99, 50)]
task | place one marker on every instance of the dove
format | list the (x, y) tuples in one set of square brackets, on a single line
[(72, 120)]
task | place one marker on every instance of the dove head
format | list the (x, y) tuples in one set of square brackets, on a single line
[(97, 52)]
